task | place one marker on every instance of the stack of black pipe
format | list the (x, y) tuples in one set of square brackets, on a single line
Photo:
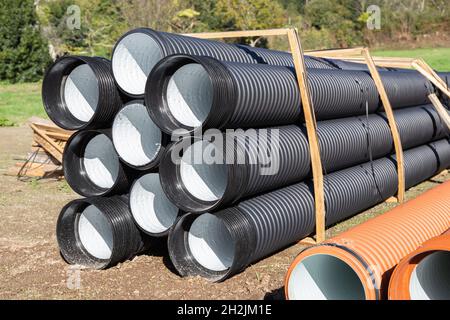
[(219, 218)]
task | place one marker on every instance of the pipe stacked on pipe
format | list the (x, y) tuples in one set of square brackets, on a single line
[(357, 264), (218, 245), (157, 83), (227, 183)]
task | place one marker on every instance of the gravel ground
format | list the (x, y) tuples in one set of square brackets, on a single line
[(31, 267)]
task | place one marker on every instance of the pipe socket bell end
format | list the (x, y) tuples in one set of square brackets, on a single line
[(79, 93), (190, 92), (194, 183), (92, 166), (213, 246), (98, 233)]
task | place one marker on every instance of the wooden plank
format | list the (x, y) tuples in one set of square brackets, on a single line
[(238, 34), (50, 148), (307, 242), (59, 136), (392, 124), (423, 70), (335, 53), (33, 165), (310, 122), (392, 200), (51, 127), (443, 113), (432, 72), (34, 172), (380, 62), (43, 135)]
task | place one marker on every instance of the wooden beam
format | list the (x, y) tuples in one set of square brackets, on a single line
[(310, 122), (443, 113), (307, 242), (50, 148), (381, 62), (427, 67), (392, 124), (59, 136), (238, 34), (335, 53), (425, 72), (44, 136)]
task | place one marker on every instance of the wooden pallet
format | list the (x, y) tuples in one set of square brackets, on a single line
[(45, 157)]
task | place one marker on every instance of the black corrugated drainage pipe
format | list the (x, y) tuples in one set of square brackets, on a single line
[(217, 246), (280, 156), (98, 232), (137, 139), (79, 93), (190, 92), (92, 166), (139, 50), (152, 211)]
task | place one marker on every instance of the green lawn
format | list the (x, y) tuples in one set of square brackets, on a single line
[(438, 58), (18, 102)]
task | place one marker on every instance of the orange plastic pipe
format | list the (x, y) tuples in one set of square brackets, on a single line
[(424, 273), (357, 264)]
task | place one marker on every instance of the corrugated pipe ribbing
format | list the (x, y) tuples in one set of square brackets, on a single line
[(190, 92), (137, 52), (79, 93), (137, 139), (279, 156), (92, 166), (98, 232), (424, 274), (216, 246), (357, 264)]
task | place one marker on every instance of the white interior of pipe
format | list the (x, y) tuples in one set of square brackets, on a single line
[(151, 208), (204, 181), (430, 279), (101, 161), (81, 92), (95, 233), (136, 137), (324, 277), (210, 243), (190, 95), (133, 60)]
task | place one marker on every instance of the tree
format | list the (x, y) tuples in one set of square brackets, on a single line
[(229, 15), (337, 16), (24, 53), (101, 24)]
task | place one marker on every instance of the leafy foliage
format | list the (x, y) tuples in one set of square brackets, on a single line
[(24, 53)]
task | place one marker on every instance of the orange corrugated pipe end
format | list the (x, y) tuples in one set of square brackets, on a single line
[(400, 282), (366, 254)]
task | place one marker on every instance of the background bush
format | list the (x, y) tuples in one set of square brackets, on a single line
[(24, 53)]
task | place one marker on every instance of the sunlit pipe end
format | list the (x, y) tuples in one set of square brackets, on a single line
[(327, 272), (213, 246)]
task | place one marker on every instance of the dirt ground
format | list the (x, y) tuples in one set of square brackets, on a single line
[(31, 267)]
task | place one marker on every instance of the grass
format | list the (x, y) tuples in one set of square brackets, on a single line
[(20, 101), (437, 58)]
